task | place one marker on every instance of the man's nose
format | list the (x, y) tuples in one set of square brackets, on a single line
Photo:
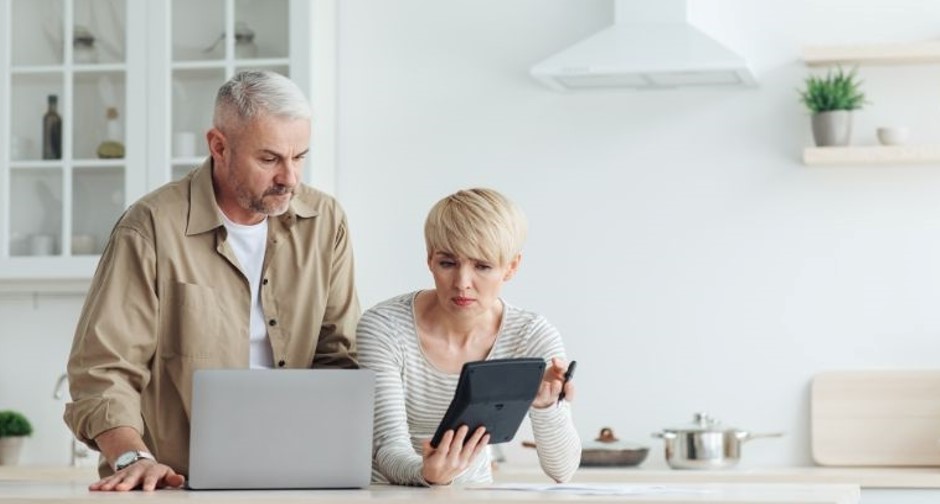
[(287, 176)]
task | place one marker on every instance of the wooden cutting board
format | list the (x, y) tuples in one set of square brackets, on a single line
[(876, 418)]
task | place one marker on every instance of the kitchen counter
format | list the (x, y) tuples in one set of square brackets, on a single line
[(866, 477), (40, 485)]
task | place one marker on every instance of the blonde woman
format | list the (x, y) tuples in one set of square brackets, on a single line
[(418, 342)]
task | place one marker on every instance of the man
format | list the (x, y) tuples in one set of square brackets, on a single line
[(237, 265)]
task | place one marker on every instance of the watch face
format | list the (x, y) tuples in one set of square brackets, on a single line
[(128, 458), (125, 459)]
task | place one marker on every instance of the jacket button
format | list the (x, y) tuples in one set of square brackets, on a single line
[(264, 282), (272, 322), (281, 363)]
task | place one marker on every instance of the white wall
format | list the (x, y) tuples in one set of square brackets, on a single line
[(35, 338), (691, 262), (688, 257)]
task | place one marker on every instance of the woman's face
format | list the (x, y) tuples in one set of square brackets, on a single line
[(468, 287)]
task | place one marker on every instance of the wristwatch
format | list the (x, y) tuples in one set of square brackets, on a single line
[(129, 457)]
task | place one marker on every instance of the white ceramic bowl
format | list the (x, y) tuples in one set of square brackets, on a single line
[(83, 244), (893, 136)]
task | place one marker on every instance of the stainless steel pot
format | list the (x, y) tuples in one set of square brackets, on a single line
[(705, 444)]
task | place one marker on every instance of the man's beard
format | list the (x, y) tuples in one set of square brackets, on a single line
[(270, 208)]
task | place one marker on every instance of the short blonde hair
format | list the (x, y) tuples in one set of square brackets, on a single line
[(477, 224)]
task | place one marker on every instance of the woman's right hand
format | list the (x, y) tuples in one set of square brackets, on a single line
[(452, 455)]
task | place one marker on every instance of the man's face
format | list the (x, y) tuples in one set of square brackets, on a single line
[(258, 166)]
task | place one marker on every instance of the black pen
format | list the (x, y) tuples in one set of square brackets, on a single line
[(568, 375)]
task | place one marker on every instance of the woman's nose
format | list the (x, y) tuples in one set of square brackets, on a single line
[(465, 277)]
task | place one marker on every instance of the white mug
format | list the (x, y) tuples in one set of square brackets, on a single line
[(41, 244), (83, 244), (20, 148), (184, 144)]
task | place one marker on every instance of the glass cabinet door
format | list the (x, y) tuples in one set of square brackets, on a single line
[(66, 86), (102, 101), (211, 41)]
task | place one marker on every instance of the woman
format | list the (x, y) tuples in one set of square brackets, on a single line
[(418, 342)]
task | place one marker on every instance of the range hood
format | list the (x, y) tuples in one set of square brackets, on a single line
[(650, 45)]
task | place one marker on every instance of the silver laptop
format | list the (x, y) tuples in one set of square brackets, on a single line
[(291, 428)]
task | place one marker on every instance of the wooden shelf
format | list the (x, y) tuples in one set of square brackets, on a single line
[(873, 54), (871, 155)]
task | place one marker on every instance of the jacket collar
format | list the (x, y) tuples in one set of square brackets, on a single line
[(204, 210)]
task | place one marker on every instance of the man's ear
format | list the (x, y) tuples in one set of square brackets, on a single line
[(513, 267), (216, 141)]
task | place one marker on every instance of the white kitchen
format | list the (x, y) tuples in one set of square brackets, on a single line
[(697, 250)]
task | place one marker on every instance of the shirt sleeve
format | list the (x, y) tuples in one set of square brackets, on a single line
[(115, 339), (556, 439), (336, 346), (392, 453)]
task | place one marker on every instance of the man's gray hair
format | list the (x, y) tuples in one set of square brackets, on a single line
[(254, 93)]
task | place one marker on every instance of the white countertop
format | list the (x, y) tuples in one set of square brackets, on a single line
[(866, 477), (41, 485)]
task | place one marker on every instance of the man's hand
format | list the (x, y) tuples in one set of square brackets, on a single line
[(144, 474), (452, 456)]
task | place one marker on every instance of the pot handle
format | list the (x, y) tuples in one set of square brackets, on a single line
[(664, 435), (747, 436)]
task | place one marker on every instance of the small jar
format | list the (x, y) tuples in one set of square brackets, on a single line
[(83, 46), (245, 47)]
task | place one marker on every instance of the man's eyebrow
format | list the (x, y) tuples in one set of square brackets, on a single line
[(271, 152)]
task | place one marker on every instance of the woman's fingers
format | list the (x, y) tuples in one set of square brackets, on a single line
[(471, 448), (453, 455), (446, 441), (485, 440), (569, 391), (456, 447)]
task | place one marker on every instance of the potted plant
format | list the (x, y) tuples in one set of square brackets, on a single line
[(831, 100), (14, 427)]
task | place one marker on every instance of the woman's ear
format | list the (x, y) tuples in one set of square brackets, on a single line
[(513, 267)]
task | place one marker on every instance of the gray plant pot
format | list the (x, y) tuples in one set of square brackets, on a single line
[(832, 128), (10, 449)]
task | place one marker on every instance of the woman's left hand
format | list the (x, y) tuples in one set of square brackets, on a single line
[(552, 383)]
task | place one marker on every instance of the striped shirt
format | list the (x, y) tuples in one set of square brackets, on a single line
[(412, 395)]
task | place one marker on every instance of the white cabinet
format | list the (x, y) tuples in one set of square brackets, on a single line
[(157, 64)]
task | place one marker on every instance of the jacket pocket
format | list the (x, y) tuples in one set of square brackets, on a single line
[(191, 321)]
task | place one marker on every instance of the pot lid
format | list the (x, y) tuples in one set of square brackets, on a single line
[(701, 422), (606, 440)]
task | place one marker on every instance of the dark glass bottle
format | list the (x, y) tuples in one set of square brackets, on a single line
[(52, 131)]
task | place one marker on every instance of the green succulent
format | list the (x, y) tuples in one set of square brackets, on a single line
[(836, 91), (13, 423)]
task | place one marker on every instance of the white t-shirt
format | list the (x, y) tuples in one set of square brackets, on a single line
[(249, 243)]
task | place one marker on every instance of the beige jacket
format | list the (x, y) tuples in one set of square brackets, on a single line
[(169, 298)]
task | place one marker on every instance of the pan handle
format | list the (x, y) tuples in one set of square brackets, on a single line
[(747, 436)]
